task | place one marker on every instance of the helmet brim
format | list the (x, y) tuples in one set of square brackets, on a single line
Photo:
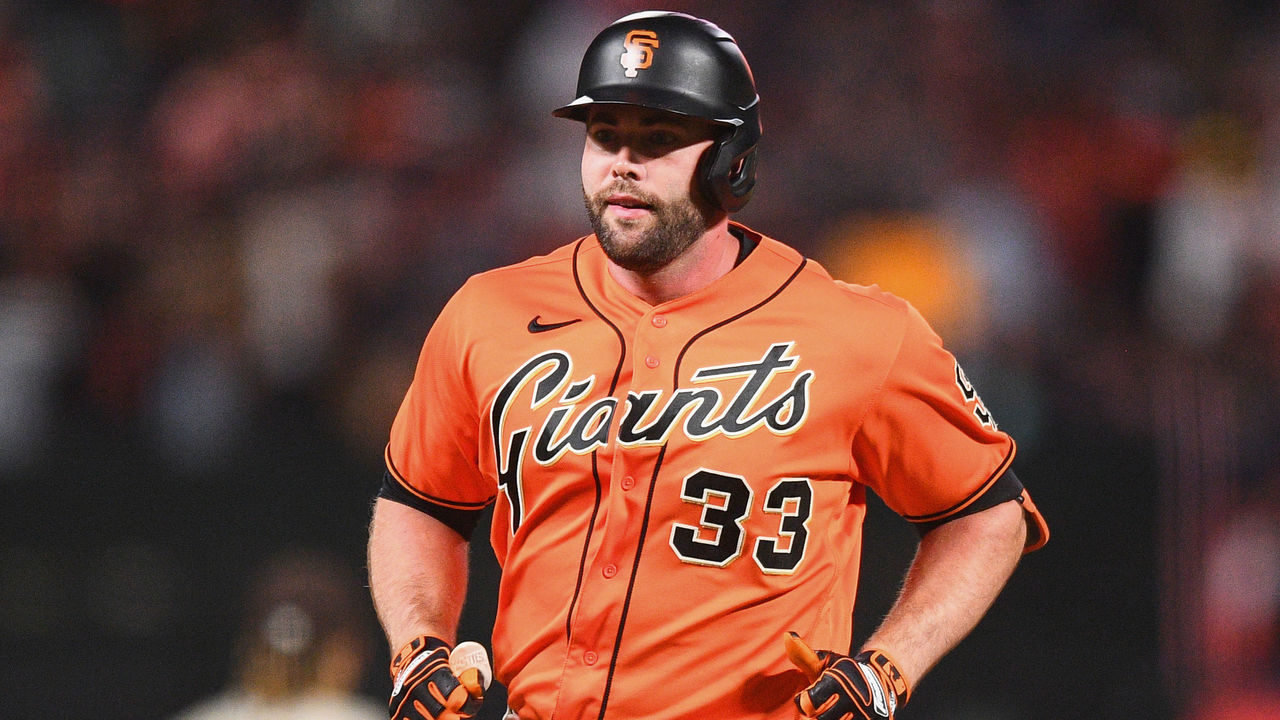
[(654, 98)]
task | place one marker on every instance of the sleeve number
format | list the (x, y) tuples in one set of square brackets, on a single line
[(971, 396), (726, 500)]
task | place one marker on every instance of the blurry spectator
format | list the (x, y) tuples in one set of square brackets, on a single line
[(1203, 227), (302, 648), (1242, 615), (290, 253), (196, 400), (37, 335)]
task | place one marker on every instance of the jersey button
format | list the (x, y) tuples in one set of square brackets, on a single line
[(659, 321), (628, 482), (589, 657), (651, 362), (609, 570)]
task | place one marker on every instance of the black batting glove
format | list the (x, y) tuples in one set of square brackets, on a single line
[(867, 686), (425, 688)]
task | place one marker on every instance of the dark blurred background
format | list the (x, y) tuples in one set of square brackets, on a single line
[(225, 228)]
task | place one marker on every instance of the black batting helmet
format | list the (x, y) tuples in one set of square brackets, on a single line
[(682, 64)]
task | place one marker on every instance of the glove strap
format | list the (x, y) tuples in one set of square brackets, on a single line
[(891, 677), (418, 646)]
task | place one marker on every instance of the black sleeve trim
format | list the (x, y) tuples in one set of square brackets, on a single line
[(462, 521), (1006, 487)]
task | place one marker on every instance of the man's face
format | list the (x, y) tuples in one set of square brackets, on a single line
[(638, 183)]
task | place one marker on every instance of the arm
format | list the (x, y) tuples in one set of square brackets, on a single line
[(958, 571), (417, 573)]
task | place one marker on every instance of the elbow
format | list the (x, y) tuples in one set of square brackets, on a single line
[(1005, 527), (1013, 522)]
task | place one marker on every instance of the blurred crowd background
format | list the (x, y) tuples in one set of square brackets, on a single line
[(225, 228)]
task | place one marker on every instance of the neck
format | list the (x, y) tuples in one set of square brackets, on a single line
[(708, 259)]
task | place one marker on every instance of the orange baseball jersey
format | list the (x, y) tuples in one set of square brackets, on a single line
[(677, 485)]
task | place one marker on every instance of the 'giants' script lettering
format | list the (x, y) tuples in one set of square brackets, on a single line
[(699, 412)]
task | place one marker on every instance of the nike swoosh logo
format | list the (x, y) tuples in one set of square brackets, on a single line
[(536, 327)]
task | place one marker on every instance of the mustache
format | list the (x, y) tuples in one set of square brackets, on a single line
[(625, 188)]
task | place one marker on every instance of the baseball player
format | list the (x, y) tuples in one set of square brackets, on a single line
[(676, 419)]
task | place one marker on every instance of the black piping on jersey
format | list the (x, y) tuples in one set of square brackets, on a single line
[(595, 467), (675, 380), (653, 481), (631, 582)]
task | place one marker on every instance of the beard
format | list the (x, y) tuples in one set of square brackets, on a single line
[(675, 225)]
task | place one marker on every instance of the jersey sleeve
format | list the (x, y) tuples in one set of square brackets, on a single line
[(928, 446), (432, 454)]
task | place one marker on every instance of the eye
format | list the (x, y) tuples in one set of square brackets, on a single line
[(603, 136), (662, 138)]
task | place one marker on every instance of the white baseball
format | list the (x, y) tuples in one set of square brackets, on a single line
[(471, 654)]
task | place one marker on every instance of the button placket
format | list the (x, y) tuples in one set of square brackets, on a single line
[(658, 322)]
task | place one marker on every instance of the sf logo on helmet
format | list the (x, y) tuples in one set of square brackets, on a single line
[(638, 55)]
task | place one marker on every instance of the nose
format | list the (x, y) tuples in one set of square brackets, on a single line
[(626, 164)]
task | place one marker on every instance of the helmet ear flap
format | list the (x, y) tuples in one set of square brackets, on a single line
[(741, 180), (727, 171)]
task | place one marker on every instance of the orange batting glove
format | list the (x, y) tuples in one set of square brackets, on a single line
[(867, 686), (425, 688)]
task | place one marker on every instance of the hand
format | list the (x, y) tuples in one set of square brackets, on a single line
[(865, 687), (425, 688)]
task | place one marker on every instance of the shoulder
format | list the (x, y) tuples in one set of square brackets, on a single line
[(491, 305), (817, 285)]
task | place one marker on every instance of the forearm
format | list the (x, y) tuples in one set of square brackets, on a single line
[(957, 573), (417, 573)]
